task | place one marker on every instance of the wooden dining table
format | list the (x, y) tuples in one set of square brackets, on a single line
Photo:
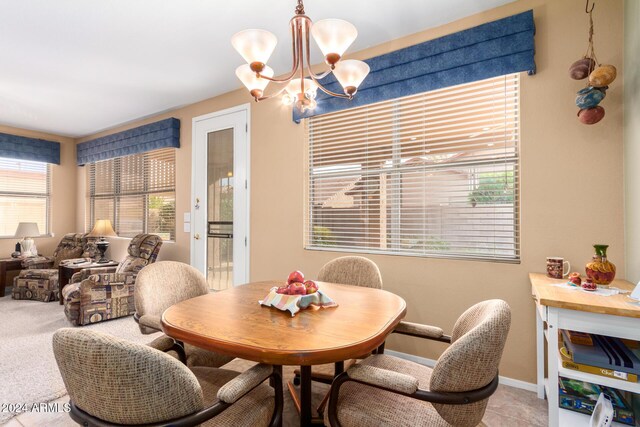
[(232, 322)]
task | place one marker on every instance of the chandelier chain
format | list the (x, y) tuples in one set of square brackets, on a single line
[(300, 8)]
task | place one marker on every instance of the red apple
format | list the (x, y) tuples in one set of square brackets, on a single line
[(311, 286), (284, 290), (297, 288), (296, 276)]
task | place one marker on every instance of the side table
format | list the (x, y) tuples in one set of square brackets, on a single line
[(8, 264), (565, 308), (65, 272)]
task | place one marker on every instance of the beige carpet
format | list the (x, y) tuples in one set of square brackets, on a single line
[(28, 371)]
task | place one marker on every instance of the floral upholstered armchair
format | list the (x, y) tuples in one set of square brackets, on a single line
[(97, 294), (39, 278)]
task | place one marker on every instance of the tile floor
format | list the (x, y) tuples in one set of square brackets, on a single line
[(508, 407)]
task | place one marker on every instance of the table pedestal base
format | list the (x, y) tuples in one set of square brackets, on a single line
[(302, 400)]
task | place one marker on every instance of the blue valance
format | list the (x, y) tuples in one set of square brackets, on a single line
[(162, 134), (23, 148), (489, 50)]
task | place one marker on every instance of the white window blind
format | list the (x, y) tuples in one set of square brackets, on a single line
[(25, 191), (137, 193), (434, 174)]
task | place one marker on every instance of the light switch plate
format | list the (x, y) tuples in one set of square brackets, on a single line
[(187, 217), (187, 227)]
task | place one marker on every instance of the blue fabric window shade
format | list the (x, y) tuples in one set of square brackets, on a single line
[(497, 48), (162, 134), (23, 148)]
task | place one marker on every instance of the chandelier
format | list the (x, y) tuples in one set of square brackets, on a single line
[(333, 36)]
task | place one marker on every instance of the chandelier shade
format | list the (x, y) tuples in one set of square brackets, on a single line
[(351, 73), (310, 87), (333, 36), (300, 85), (255, 46), (251, 80), (302, 93)]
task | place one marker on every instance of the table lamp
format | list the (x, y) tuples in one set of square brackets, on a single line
[(27, 230), (102, 228)]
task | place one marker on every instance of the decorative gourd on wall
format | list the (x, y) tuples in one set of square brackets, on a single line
[(599, 77)]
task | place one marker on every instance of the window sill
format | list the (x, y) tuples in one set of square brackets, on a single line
[(20, 238), (432, 256)]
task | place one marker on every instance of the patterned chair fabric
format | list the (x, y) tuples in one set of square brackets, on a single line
[(158, 287), (125, 383), (469, 363), (352, 270), (99, 294), (39, 279)]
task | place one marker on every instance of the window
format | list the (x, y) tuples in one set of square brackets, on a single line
[(434, 174), (25, 191), (137, 193)]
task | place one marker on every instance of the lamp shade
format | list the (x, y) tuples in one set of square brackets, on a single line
[(102, 228), (27, 229), (254, 45), (333, 35), (250, 80), (351, 72)]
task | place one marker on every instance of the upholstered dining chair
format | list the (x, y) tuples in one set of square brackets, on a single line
[(158, 287), (347, 270), (454, 393), (97, 294), (114, 382), (39, 278), (352, 270)]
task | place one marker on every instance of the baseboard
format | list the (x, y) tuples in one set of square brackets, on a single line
[(511, 382)]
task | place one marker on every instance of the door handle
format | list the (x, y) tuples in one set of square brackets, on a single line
[(197, 236)]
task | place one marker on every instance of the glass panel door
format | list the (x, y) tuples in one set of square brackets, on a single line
[(220, 209), (220, 200)]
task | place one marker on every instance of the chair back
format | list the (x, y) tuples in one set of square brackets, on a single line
[(352, 270), (165, 283), (472, 360), (143, 250), (123, 382), (72, 245)]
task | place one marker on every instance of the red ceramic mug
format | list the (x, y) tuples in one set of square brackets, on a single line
[(556, 266)]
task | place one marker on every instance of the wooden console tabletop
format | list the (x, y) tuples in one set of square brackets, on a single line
[(553, 296)]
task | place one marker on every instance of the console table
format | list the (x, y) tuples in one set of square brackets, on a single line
[(562, 308), (8, 264)]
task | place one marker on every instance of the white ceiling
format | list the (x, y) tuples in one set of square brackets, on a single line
[(75, 67)]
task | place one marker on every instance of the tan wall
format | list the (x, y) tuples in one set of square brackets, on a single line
[(632, 137), (63, 193), (572, 185)]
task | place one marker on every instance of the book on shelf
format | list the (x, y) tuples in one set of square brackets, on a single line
[(606, 352), (579, 337), (568, 363), (581, 396)]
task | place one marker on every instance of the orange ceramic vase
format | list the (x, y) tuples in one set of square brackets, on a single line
[(600, 269)]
